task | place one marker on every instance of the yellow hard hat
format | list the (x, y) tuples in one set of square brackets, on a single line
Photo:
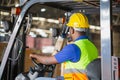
[(78, 20)]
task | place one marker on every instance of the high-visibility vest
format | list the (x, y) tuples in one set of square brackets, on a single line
[(77, 70)]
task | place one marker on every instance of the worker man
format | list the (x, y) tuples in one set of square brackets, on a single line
[(77, 55)]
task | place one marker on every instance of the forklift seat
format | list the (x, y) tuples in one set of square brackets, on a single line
[(94, 70)]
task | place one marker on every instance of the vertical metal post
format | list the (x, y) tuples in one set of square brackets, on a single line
[(106, 49)]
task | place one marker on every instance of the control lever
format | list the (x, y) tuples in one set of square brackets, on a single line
[(34, 62)]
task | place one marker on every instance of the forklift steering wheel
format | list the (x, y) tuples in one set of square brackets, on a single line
[(43, 67), (38, 66)]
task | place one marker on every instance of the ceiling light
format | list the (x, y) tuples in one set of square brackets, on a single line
[(39, 18), (2, 34), (4, 13), (17, 5), (43, 9), (95, 27), (44, 19), (53, 21)]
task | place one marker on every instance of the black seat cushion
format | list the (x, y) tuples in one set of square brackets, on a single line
[(94, 70)]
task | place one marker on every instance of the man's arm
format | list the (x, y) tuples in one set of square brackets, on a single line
[(44, 59)]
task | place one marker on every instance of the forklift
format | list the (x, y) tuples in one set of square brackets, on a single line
[(109, 64)]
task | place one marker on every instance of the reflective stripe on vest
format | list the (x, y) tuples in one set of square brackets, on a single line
[(78, 76), (74, 70)]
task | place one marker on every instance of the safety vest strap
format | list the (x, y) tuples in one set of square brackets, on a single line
[(75, 76), (74, 71)]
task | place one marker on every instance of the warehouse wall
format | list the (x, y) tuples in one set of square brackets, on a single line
[(2, 49), (96, 40), (116, 41)]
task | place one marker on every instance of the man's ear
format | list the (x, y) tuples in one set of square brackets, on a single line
[(72, 30)]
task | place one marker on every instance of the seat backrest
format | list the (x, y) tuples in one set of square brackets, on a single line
[(94, 70)]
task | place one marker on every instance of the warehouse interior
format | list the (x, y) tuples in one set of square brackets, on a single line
[(41, 19)]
